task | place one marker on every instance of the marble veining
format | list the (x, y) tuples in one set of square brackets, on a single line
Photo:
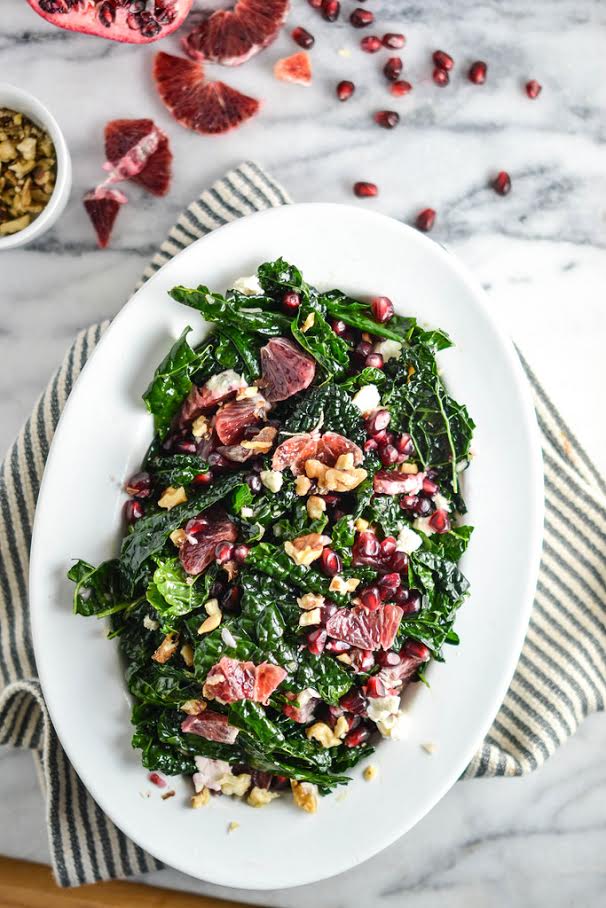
[(538, 252)]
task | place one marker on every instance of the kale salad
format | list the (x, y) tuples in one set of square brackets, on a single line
[(290, 561)]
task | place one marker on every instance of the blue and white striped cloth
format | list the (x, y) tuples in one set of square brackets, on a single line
[(561, 676)]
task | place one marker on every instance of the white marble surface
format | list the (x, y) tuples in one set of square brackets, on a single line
[(539, 252)]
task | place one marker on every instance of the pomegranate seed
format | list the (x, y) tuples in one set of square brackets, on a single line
[(224, 552), (393, 68), (156, 779), (377, 421), (477, 72), (345, 90), (502, 183), (393, 40), (417, 649), (133, 511), (331, 10), (408, 502), (440, 522), (412, 603), (388, 584), (404, 444), (429, 486), (442, 60), (440, 77), (388, 547), (364, 349), (398, 562), (358, 736), (337, 646), (400, 88), (370, 598), (424, 506), (387, 118), (363, 660), (254, 483), (370, 44), (217, 462), (425, 220), (382, 309), (186, 447), (196, 525), (370, 445), (360, 18), (339, 327), (388, 455), (354, 701), (302, 37), (365, 190), (203, 479), (139, 485), (241, 553), (327, 611), (315, 4), (316, 641), (381, 437), (387, 658), (330, 562), (374, 361), (375, 687), (291, 301), (533, 89), (230, 599)]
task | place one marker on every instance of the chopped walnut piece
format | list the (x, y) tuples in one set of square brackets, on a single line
[(259, 797), (193, 707), (187, 654), (262, 441), (410, 468), (306, 619), (211, 623), (305, 795), (201, 799), (235, 785), (306, 549), (341, 727), (315, 507), (371, 772), (167, 648), (345, 461), (178, 537), (361, 525), (310, 600), (200, 428), (233, 826), (338, 584), (309, 322), (171, 497), (336, 479), (26, 150), (323, 734), (302, 485)]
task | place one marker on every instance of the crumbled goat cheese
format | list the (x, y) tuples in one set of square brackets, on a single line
[(442, 504), (229, 380), (388, 349), (367, 399), (381, 707), (249, 286), (389, 718), (423, 525), (394, 726), (271, 479), (150, 624), (408, 541)]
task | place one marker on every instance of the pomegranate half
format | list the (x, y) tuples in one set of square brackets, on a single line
[(129, 21)]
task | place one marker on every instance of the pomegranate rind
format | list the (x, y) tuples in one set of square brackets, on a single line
[(102, 206), (209, 108), (86, 21), (231, 37), (296, 68), (122, 135)]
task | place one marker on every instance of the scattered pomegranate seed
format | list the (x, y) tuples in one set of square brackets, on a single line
[(358, 736), (399, 562), (354, 702), (363, 349), (439, 521), (345, 90), (337, 646), (224, 552), (316, 641), (477, 72), (331, 10), (365, 190), (394, 40), (370, 44), (302, 37), (388, 584), (533, 89), (388, 547), (139, 485), (203, 479), (388, 455), (429, 486), (330, 562), (400, 88), (377, 421), (370, 598), (375, 687), (360, 18), (426, 219), (370, 445), (374, 361), (156, 779), (408, 502), (442, 59), (502, 183), (338, 327), (440, 77), (404, 444), (241, 553), (387, 658), (217, 462), (367, 545), (411, 603), (291, 301), (382, 309), (196, 525), (186, 447), (393, 68), (133, 511), (387, 118)]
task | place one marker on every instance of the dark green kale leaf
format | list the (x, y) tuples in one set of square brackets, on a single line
[(212, 647), (434, 338), (161, 685), (319, 340), (347, 757), (325, 675), (342, 537), (247, 347), (275, 562), (330, 407), (172, 382), (99, 590), (450, 546), (385, 512), (278, 277), (175, 469), (174, 594), (156, 756), (368, 376), (359, 315), (243, 314)]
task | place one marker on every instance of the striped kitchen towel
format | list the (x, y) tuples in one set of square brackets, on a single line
[(561, 676)]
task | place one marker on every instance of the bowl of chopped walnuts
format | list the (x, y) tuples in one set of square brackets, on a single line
[(35, 168)]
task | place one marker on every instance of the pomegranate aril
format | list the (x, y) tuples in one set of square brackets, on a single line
[(230, 599), (240, 553), (224, 552), (337, 646), (375, 687), (316, 641), (388, 547), (400, 88), (345, 90), (330, 562), (394, 41), (370, 445), (156, 779), (502, 183), (365, 190), (429, 486), (186, 447), (417, 649), (388, 659), (354, 702), (374, 361), (331, 10), (404, 444), (440, 77), (398, 562), (408, 502), (254, 483), (370, 44), (315, 4), (533, 89), (363, 660), (412, 603), (377, 421), (360, 18), (139, 485), (339, 327), (291, 301), (217, 462), (327, 611), (370, 598), (203, 479), (363, 349), (440, 521), (442, 60), (388, 584), (393, 68), (382, 309), (196, 525), (133, 511), (477, 72), (302, 37), (425, 220), (387, 119), (424, 506), (357, 736), (367, 544), (388, 455)]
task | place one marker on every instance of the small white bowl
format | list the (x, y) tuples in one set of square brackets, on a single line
[(23, 102)]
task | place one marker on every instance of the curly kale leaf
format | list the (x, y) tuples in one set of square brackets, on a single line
[(175, 469), (331, 407), (325, 675), (99, 590), (359, 315), (172, 382), (173, 594), (243, 314)]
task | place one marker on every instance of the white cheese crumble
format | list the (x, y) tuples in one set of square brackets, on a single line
[(389, 349), (442, 504), (389, 718), (150, 624), (246, 512), (367, 399), (249, 286), (394, 726), (381, 707), (271, 479), (225, 381), (423, 525), (408, 541)]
